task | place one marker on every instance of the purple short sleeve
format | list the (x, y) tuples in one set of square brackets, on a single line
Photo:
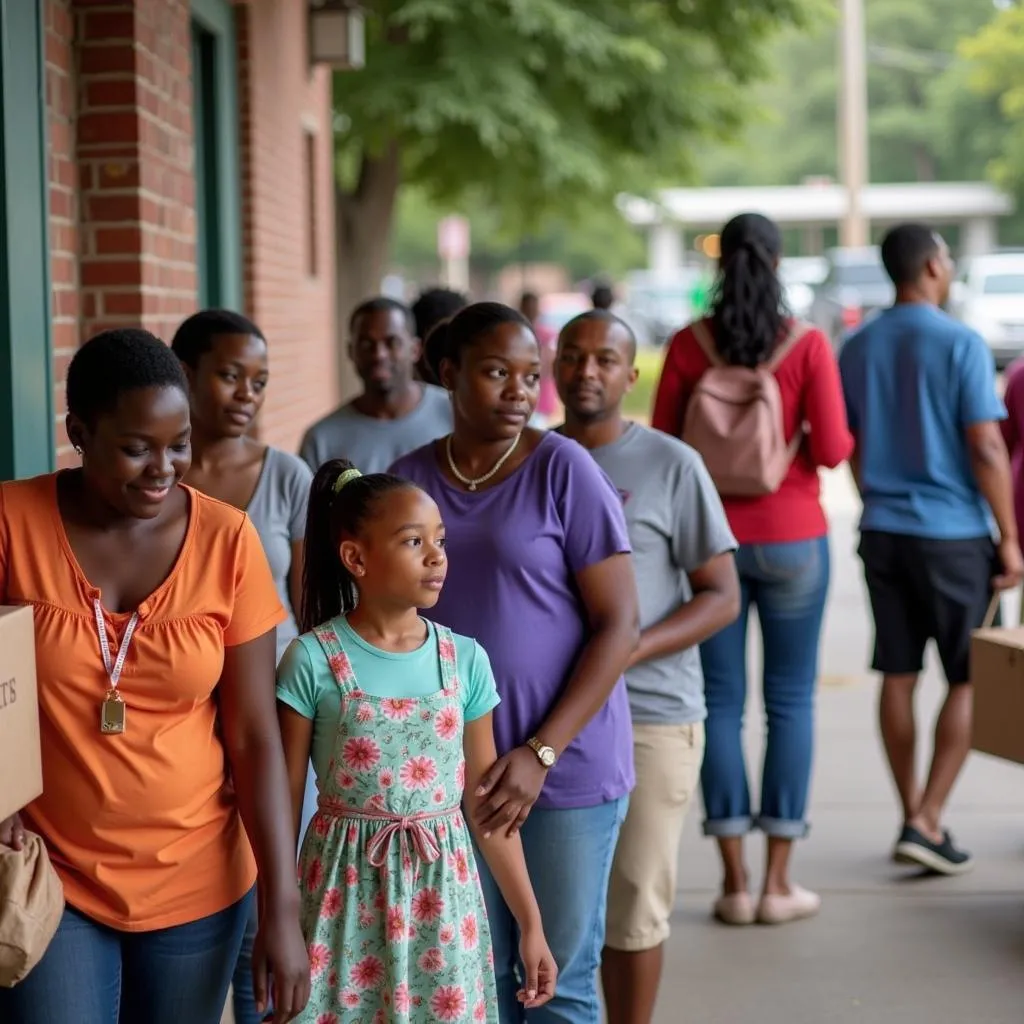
[(589, 507)]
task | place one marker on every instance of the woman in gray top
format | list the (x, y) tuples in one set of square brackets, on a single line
[(225, 360)]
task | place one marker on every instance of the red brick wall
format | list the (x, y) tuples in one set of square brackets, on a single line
[(61, 105), (134, 148), (282, 103), (122, 189)]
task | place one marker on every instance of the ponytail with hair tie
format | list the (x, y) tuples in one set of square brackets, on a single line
[(346, 476), (341, 499)]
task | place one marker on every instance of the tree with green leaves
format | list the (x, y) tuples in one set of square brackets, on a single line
[(535, 107), (995, 57), (924, 123)]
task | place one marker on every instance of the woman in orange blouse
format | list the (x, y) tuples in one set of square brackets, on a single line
[(155, 614)]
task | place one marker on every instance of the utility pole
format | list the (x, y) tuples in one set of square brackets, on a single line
[(853, 120)]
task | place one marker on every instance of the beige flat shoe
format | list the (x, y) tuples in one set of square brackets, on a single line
[(778, 909), (737, 909)]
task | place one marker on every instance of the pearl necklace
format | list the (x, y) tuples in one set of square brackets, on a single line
[(470, 483)]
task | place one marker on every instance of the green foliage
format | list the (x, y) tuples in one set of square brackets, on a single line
[(925, 124), (995, 59), (601, 243), (540, 109), (639, 403)]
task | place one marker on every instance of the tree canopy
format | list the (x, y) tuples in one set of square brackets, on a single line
[(995, 71), (925, 123), (535, 108)]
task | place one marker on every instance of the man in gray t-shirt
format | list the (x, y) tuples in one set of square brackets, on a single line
[(683, 554), (395, 414)]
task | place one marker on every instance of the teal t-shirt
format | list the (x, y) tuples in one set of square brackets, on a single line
[(306, 685)]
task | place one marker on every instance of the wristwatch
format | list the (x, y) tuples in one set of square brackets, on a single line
[(545, 754)]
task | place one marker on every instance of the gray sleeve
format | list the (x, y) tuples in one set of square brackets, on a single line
[(298, 503), (700, 529), (307, 450)]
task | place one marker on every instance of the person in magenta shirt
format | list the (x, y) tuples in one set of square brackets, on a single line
[(540, 574), (1013, 434), (547, 338), (783, 564)]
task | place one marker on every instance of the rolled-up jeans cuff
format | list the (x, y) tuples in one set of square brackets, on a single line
[(780, 828), (728, 828)]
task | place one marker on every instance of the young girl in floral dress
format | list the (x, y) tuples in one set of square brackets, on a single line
[(396, 713)]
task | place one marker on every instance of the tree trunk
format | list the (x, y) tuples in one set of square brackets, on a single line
[(363, 231), (924, 163)]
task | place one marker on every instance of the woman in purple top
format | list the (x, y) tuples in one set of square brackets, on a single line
[(540, 574)]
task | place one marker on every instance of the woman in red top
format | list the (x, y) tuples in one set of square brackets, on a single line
[(783, 562)]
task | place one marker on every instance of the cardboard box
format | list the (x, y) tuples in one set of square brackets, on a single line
[(997, 671), (21, 766)]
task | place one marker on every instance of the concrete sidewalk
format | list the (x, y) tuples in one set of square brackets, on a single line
[(888, 948)]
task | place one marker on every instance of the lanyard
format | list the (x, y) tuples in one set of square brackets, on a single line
[(113, 668)]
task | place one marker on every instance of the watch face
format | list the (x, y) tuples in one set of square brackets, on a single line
[(547, 757)]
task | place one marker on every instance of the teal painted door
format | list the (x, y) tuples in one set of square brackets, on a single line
[(26, 358), (215, 123)]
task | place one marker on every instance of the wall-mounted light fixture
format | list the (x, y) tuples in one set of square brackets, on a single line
[(337, 34)]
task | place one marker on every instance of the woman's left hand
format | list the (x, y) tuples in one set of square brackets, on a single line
[(280, 962), (508, 791)]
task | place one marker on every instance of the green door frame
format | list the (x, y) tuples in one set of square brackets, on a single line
[(26, 350), (218, 176)]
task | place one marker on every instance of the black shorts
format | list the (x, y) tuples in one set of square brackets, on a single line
[(923, 590)]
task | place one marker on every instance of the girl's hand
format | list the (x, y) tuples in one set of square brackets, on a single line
[(511, 786), (12, 832), (541, 969), (280, 962)]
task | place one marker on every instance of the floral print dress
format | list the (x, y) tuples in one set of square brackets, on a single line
[(392, 910)]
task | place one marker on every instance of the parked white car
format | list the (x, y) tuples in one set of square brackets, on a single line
[(800, 276), (988, 296)]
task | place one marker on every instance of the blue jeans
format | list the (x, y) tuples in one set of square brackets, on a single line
[(92, 974), (569, 857), (243, 1000), (788, 584)]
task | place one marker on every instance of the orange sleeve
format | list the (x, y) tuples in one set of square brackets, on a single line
[(256, 608), (673, 389), (830, 441)]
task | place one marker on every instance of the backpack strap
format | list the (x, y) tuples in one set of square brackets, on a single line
[(706, 342), (702, 335), (448, 659), (797, 330)]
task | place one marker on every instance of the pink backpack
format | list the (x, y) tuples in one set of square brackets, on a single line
[(734, 419)]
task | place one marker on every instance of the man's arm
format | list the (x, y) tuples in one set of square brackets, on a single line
[(980, 413), (702, 546), (715, 603), (991, 467)]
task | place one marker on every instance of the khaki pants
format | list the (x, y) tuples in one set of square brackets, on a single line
[(642, 890)]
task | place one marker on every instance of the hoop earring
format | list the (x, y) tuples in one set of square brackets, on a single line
[(78, 450)]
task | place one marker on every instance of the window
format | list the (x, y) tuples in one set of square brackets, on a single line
[(204, 123), (1004, 284)]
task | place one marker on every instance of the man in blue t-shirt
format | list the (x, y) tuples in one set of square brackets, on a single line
[(932, 469)]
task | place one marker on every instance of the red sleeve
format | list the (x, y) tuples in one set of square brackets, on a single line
[(830, 441), (674, 387)]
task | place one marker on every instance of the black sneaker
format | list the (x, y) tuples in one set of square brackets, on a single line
[(943, 858)]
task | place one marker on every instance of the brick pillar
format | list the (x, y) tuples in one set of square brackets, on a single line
[(134, 150)]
